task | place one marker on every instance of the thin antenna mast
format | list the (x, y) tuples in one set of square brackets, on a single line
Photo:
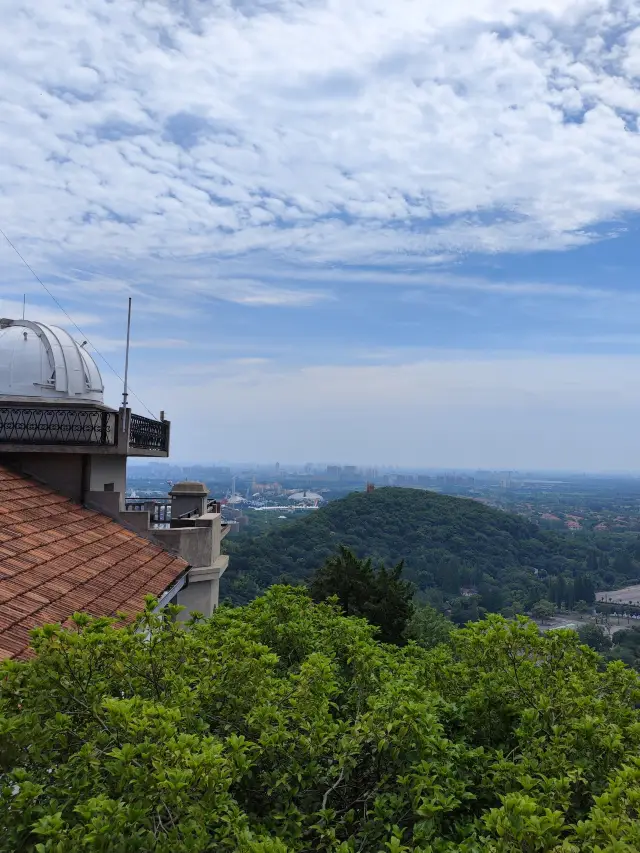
[(125, 393), (24, 304)]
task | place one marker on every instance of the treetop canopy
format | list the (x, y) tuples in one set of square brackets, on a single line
[(284, 726)]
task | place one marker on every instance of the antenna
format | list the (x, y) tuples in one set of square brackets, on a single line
[(69, 318), (125, 394), (24, 304)]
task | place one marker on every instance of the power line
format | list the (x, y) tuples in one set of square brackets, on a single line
[(72, 321)]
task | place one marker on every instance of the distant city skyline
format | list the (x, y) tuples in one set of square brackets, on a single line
[(268, 468)]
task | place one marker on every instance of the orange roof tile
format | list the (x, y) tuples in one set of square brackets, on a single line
[(57, 557)]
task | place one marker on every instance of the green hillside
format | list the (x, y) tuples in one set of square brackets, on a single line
[(450, 546)]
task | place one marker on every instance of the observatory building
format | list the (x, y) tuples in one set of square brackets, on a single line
[(54, 424), (67, 542)]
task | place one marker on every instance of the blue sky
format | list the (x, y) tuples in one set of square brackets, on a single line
[(403, 233)]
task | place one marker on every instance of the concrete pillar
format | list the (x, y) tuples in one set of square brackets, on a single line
[(107, 473), (202, 591), (188, 497)]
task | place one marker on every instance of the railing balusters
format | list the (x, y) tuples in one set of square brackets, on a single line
[(23, 425), (148, 434), (78, 426)]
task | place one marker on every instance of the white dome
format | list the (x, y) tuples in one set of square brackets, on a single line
[(45, 362), (305, 496)]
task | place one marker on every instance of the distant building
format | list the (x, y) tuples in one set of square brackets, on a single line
[(405, 479), (306, 497)]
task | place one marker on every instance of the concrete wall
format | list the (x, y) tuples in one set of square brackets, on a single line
[(72, 474), (106, 470), (182, 504), (201, 597), (105, 502), (199, 544), (194, 544), (138, 519), (62, 471)]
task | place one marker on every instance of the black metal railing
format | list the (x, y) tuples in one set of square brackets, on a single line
[(57, 426), (212, 506), (146, 434)]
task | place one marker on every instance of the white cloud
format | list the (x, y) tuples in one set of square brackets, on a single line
[(103, 344), (255, 293), (451, 282), (12, 309), (320, 130)]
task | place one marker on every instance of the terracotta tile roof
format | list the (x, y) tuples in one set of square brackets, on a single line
[(56, 557)]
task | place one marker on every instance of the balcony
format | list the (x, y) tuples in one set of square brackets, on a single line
[(147, 434), (95, 429)]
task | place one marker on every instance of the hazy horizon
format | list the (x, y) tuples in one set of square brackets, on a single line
[(381, 467)]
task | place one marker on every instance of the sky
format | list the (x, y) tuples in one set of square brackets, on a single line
[(362, 232)]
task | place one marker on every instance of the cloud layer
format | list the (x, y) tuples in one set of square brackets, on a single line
[(319, 129)]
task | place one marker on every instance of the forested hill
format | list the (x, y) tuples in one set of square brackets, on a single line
[(451, 547)]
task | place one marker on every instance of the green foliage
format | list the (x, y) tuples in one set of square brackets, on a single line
[(594, 636), (626, 647), (543, 610), (378, 595), (285, 727), (428, 627), (448, 545)]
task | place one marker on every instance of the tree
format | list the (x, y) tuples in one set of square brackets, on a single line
[(428, 627), (285, 727), (603, 618), (581, 606), (584, 589), (623, 563), (592, 561), (379, 595), (626, 646), (543, 610), (594, 636)]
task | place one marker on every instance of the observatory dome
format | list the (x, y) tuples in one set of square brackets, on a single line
[(45, 362)]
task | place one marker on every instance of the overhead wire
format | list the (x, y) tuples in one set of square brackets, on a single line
[(72, 321)]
